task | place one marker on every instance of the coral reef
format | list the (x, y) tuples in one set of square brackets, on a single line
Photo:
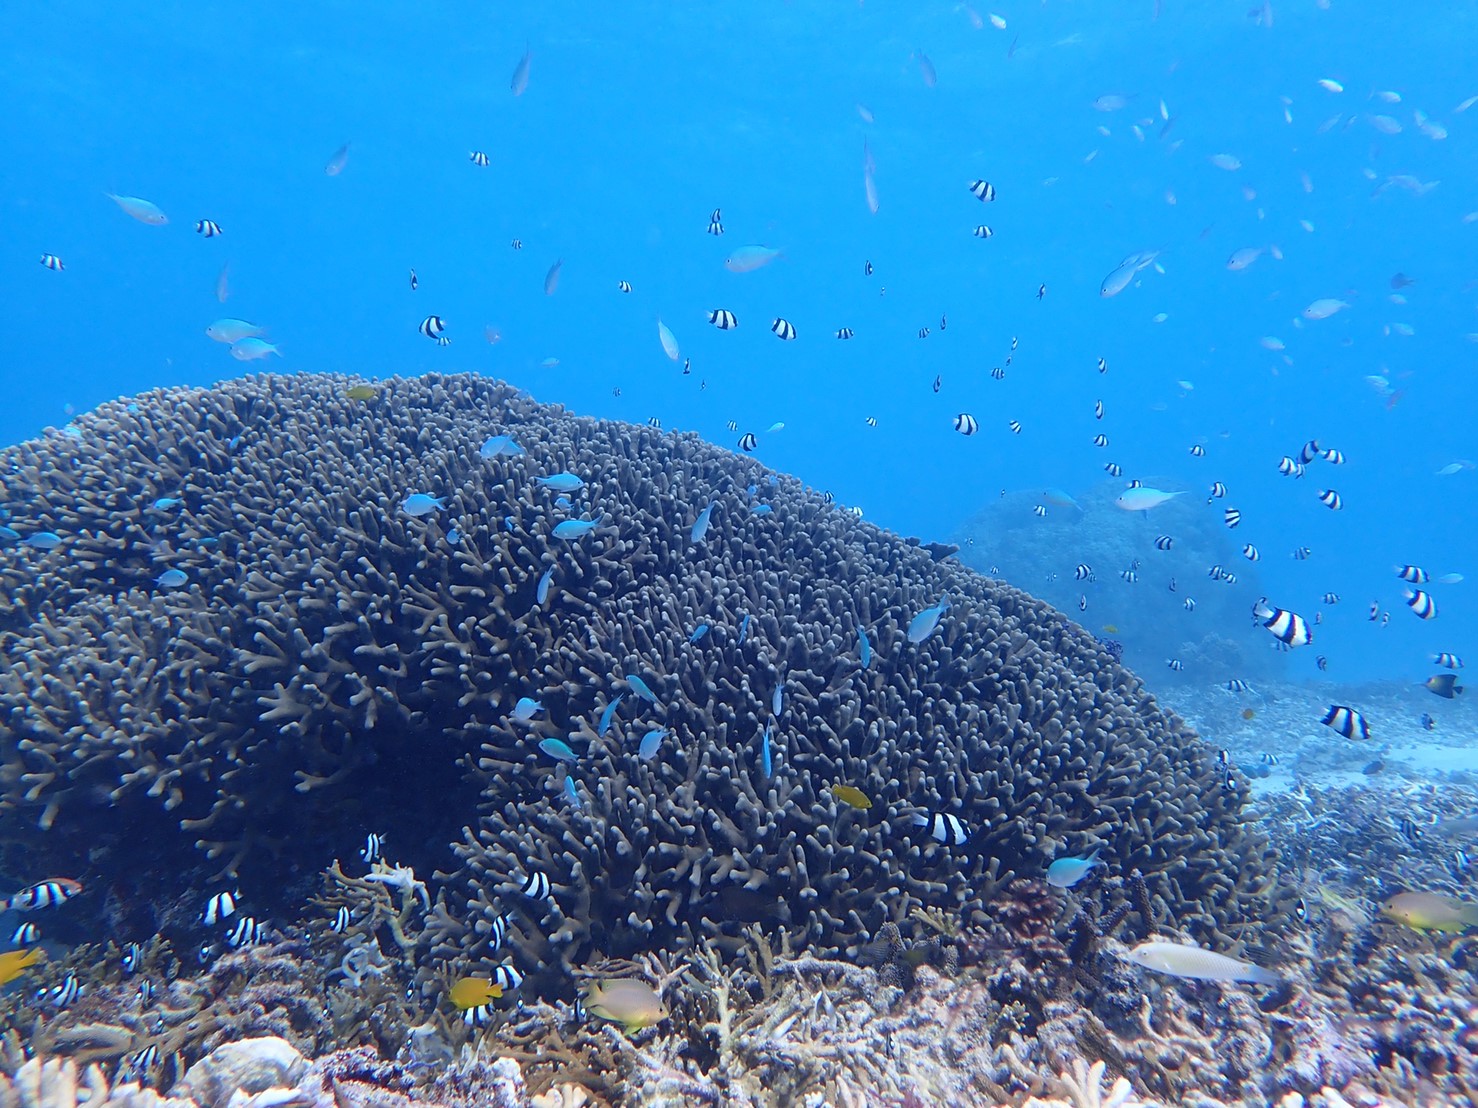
[(332, 654)]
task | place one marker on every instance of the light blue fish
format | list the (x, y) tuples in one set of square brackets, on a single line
[(576, 528), (9, 534), (700, 525), (165, 503), (500, 446), (526, 709), (560, 482), (171, 579), (639, 687), (422, 504), (765, 763), (607, 715), (43, 540), (743, 629), (774, 479), (559, 750), (752, 490), (249, 350), (698, 633), (761, 509), (864, 648), (777, 699), (1067, 872), (572, 793), (923, 624), (1060, 499), (141, 210), (543, 591), (747, 259), (650, 744), (454, 537), (563, 502), (508, 523)]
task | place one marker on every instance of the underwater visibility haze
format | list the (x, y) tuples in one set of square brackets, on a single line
[(781, 553)]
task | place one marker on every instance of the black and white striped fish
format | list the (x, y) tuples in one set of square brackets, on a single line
[(1015, 426), (51, 261), (1309, 452), (1415, 574), (1084, 572), (623, 286), (207, 228), (871, 421), (1268, 759), (44, 894), (716, 222), (1331, 598), (1301, 554), (1250, 552), (64, 994), (1409, 829), (220, 907), (1102, 365), (943, 827), (247, 932), (983, 190), (1113, 469), (748, 442), (432, 326), (1190, 604), (1334, 457), (133, 956), (1040, 510), (415, 281), (1218, 490), (725, 320), (374, 847), (1237, 685), (1129, 575), (1347, 721), (783, 329), (341, 920), (1175, 664), (1164, 542), (1198, 451), (535, 886), (479, 159), (1421, 603), (845, 332), (1289, 468), (1098, 409), (966, 424), (507, 976), (923, 332), (26, 934), (654, 423), (1451, 661), (983, 232), (1331, 499), (1100, 440), (1231, 517), (1287, 627)]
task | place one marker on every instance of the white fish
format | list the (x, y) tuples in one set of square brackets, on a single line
[(1117, 281), (551, 279), (1466, 104), (223, 285), (141, 210), (1110, 102), (1450, 579), (1324, 308), (1228, 162), (669, 340), (1142, 499), (1243, 258), (340, 159), (1184, 960), (865, 113), (997, 22), (1329, 84), (1269, 342), (870, 189)]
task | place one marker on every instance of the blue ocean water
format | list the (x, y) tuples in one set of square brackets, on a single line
[(639, 120)]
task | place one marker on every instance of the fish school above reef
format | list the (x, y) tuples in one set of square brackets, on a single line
[(587, 695)]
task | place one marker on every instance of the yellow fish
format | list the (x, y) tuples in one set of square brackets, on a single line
[(1431, 912), (474, 992), (1110, 629), (852, 796), (626, 1001), (13, 963), (361, 392)]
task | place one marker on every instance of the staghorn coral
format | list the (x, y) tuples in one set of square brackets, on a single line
[(332, 656)]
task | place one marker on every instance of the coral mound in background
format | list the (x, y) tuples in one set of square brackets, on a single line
[(333, 665)]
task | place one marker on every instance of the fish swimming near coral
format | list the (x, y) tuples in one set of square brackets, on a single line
[(44, 894), (13, 963), (472, 992), (852, 796), (1185, 960), (626, 1001), (1067, 872), (1431, 911)]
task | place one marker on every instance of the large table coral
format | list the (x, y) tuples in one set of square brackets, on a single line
[(333, 661)]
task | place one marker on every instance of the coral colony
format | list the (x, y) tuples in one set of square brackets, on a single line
[(420, 743)]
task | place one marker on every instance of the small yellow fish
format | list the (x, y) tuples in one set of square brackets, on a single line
[(854, 797), (361, 392), (1248, 713), (13, 963), (1431, 912), (1110, 629), (627, 1001), (473, 992)]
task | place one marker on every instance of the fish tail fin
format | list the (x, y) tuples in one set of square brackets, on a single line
[(1262, 976), (918, 819), (1469, 915)]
